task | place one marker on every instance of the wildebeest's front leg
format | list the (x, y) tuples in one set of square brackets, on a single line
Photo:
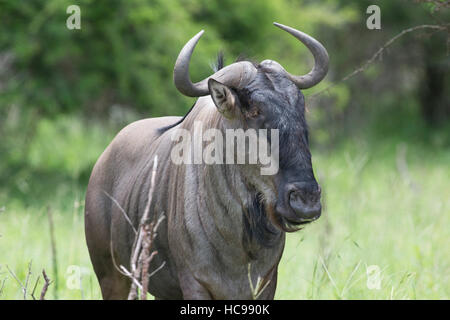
[(191, 288)]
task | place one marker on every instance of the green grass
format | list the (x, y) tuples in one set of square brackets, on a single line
[(375, 215), (26, 237), (386, 205)]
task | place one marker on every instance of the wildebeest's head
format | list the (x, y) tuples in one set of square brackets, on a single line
[(266, 96)]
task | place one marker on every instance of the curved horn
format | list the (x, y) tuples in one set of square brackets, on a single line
[(236, 75), (320, 58)]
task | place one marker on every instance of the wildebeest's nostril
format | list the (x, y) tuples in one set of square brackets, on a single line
[(308, 194), (304, 200)]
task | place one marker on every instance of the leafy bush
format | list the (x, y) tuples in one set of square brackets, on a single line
[(125, 51)]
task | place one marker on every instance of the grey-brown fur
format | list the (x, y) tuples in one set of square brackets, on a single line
[(221, 217), (201, 240)]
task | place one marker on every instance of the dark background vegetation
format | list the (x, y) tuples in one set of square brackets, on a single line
[(65, 93), (118, 67)]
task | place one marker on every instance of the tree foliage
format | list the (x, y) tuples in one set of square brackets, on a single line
[(125, 51)]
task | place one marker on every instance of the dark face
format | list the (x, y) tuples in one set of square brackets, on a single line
[(272, 101)]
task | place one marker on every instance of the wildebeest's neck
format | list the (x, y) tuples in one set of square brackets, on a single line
[(234, 208)]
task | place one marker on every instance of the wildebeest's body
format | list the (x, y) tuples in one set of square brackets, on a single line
[(220, 218), (201, 239)]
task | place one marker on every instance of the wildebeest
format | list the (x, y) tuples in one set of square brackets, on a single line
[(219, 218)]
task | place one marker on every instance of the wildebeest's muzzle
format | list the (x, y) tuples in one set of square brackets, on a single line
[(298, 202)]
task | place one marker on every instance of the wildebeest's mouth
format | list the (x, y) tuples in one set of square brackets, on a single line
[(287, 223), (290, 225)]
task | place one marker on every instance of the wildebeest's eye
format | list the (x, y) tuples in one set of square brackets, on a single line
[(252, 113)]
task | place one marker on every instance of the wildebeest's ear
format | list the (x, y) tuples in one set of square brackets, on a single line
[(224, 98)]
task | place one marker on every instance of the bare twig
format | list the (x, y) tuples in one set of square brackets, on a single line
[(27, 278), (258, 288), (135, 281), (53, 247), (24, 287), (142, 253), (34, 288), (146, 259), (121, 210), (122, 269), (137, 246), (15, 277), (157, 269), (138, 242), (378, 53), (46, 284), (147, 255)]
